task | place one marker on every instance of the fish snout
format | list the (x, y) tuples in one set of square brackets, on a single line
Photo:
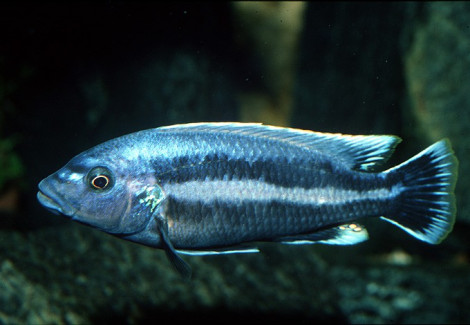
[(51, 199)]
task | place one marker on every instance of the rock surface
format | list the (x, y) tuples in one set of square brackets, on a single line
[(437, 62), (74, 275)]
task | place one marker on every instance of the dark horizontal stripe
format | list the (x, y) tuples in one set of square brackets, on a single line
[(278, 171), (198, 224)]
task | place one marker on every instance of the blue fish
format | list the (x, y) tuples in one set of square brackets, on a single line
[(215, 188)]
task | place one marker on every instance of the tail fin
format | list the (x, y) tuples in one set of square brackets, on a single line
[(427, 202)]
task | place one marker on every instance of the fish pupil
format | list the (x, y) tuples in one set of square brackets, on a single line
[(100, 182)]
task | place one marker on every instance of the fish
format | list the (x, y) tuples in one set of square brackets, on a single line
[(223, 187)]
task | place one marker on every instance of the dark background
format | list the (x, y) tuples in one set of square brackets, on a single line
[(83, 73)]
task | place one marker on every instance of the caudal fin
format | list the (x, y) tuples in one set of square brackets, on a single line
[(426, 205)]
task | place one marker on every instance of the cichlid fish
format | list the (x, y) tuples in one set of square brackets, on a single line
[(214, 188)]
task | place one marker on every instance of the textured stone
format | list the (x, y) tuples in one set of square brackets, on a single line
[(75, 274), (437, 65)]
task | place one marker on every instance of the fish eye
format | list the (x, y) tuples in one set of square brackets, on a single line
[(100, 179)]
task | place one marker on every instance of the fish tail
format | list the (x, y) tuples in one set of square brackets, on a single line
[(426, 203)]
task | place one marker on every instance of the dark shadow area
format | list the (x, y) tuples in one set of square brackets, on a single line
[(152, 315)]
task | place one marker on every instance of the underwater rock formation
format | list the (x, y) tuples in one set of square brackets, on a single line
[(437, 66)]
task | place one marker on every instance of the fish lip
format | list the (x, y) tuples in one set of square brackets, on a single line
[(49, 203), (51, 200)]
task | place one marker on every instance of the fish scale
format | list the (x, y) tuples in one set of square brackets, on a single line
[(218, 188)]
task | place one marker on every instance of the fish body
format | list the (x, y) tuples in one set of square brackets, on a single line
[(212, 188)]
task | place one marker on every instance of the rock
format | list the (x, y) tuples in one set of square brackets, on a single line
[(438, 84), (75, 274)]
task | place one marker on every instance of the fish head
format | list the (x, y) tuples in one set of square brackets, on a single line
[(114, 195)]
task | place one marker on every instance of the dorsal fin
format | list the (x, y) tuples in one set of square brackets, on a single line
[(360, 152)]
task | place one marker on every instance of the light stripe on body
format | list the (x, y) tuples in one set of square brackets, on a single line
[(256, 190)]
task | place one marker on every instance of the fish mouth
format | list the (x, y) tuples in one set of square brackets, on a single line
[(52, 200), (49, 203)]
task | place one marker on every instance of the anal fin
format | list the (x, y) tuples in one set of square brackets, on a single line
[(347, 234)]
